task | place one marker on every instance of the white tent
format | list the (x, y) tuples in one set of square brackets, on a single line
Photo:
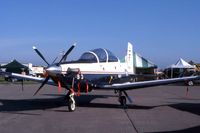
[(182, 64)]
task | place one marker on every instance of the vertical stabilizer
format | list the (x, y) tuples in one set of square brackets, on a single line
[(129, 59)]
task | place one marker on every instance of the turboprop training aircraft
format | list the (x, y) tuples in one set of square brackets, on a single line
[(95, 69)]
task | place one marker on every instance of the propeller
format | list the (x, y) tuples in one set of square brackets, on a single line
[(43, 83), (55, 60), (38, 52), (67, 53), (51, 66)]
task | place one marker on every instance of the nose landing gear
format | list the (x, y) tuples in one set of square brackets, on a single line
[(71, 102), (69, 99)]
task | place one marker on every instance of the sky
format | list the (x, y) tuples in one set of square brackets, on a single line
[(160, 30)]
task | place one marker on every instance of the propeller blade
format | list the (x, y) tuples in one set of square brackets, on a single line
[(38, 52), (44, 82), (54, 60), (67, 53)]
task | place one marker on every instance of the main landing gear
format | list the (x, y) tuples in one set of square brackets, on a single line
[(122, 101), (122, 98)]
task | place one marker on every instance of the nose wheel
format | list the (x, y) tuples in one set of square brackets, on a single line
[(71, 101)]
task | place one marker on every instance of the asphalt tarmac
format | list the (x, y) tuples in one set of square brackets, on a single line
[(164, 109)]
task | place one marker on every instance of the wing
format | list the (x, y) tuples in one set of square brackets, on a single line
[(144, 84), (27, 77)]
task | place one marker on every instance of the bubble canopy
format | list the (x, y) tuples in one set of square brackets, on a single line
[(98, 55)]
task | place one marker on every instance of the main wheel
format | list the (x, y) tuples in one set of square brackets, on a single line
[(122, 100), (190, 83), (71, 105)]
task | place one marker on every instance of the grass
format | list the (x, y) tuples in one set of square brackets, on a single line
[(2, 80)]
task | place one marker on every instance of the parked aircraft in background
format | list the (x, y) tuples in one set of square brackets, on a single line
[(95, 69)]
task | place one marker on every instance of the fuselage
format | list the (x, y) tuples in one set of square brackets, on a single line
[(96, 65), (96, 70)]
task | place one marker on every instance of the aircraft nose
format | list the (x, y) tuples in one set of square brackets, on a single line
[(53, 70)]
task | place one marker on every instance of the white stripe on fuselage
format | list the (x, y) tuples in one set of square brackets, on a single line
[(96, 68)]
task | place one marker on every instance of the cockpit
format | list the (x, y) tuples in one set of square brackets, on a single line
[(98, 55)]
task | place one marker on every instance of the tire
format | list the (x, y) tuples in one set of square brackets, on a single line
[(71, 105), (122, 101), (190, 83)]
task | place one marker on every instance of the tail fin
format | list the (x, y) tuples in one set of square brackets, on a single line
[(129, 58)]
